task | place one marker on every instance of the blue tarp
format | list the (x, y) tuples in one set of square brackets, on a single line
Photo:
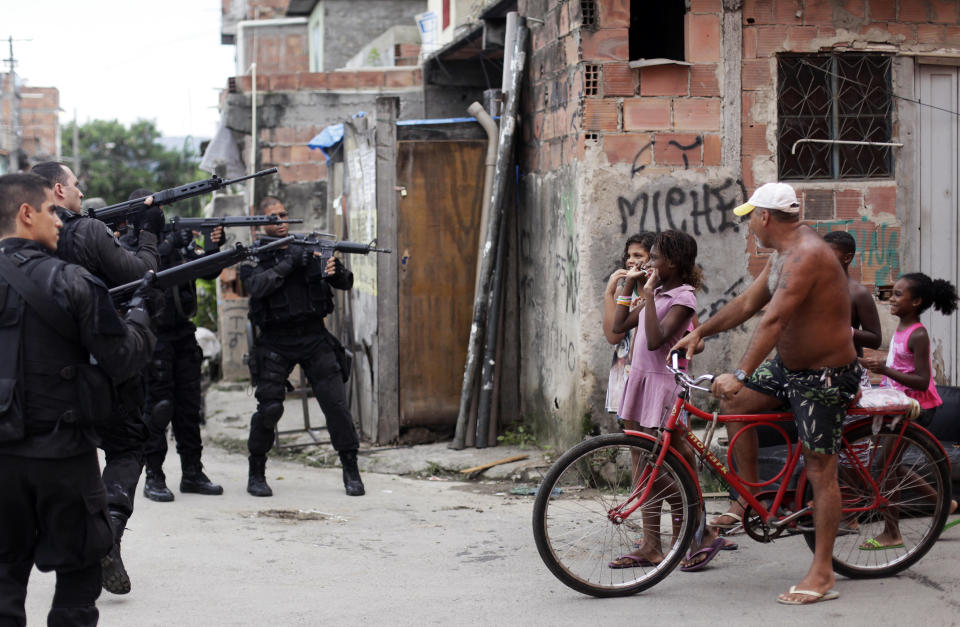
[(328, 138)]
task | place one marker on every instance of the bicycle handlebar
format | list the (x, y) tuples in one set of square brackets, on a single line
[(683, 378)]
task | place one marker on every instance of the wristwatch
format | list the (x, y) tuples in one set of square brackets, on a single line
[(740, 375)]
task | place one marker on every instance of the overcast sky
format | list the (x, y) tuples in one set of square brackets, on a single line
[(159, 60)]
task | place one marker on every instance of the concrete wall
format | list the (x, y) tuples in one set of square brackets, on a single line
[(350, 24)]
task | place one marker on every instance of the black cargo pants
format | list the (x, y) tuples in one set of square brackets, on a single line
[(316, 354)]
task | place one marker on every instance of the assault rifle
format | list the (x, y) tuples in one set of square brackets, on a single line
[(186, 272), (326, 247), (206, 225), (123, 211)]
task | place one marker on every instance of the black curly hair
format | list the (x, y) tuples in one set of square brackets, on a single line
[(644, 238), (940, 294), (681, 249)]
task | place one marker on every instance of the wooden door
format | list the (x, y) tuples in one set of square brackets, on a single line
[(938, 206), (438, 221)]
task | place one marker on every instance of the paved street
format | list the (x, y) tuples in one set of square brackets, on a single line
[(417, 552)]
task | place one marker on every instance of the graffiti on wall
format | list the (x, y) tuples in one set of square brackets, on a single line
[(878, 255), (690, 207)]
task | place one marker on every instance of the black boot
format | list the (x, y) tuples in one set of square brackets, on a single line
[(195, 480), (352, 484), (113, 575), (257, 481), (155, 484)]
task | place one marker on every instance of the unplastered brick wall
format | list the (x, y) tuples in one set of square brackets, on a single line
[(40, 123), (553, 89), (669, 115), (582, 91), (867, 209)]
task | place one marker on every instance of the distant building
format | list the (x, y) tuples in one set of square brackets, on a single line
[(29, 124)]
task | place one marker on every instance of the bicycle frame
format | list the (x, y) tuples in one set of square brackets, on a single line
[(673, 424)]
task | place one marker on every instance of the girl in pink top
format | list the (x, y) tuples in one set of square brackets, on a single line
[(908, 366), (669, 309)]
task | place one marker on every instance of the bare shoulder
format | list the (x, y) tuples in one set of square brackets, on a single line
[(858, 291)]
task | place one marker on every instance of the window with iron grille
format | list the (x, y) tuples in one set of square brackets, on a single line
[(838, 96)]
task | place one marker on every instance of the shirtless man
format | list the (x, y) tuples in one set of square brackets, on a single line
[(803, 292)]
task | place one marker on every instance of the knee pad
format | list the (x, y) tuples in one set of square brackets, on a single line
[(162, 414), (270, 413)]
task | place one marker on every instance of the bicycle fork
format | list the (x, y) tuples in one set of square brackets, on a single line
[(644, 483)]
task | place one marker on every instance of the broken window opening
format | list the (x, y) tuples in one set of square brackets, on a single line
[(656, 29), (840, 97), (588, 12)]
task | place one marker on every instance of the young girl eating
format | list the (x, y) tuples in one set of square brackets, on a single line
[(670, 279), (636, 253)]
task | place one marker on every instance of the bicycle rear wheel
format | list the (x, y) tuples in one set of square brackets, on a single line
[(578, 538), (913, 475)]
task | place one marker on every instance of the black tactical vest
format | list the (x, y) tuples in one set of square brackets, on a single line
[(54, 384), (179, 301), (303, 297)]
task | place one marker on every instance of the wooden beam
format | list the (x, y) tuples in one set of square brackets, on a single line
[(388, 339)]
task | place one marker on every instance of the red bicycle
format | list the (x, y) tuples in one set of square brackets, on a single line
[(598, 497)]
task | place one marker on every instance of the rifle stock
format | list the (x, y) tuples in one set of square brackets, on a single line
[(207, 225)]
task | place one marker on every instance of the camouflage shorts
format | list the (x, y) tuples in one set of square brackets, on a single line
[(818, 398)]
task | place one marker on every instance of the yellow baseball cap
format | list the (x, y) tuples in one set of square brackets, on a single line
[(778, 196)]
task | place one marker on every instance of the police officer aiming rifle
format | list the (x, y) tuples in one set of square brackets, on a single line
[(290, 294), (91, 244), (53, 317)]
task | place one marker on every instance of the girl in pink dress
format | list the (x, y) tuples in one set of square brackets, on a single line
[(671, 278), (908, 366)]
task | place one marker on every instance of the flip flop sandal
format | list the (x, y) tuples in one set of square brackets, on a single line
[(729, 546), (873, 545), (815, 597), (631, 561), (950, 524), (708, 552), (718, 525)]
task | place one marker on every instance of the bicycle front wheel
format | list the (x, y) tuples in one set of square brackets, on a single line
[(912, 475), (576, 533)]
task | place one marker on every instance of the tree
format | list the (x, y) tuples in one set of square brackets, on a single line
[(115, 160)]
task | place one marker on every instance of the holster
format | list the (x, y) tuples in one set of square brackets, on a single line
[(344, 357)]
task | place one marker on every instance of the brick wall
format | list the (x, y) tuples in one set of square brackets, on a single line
[(279, 49), (582, 93), (283, 143), (40, 123), (552, 99)]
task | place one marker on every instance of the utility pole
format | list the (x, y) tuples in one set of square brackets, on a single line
[(11, 125), (76, 143)]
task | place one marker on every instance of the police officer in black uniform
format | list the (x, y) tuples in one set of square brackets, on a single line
[(173, 377), (289, 296), (91, 244), (53, 317)]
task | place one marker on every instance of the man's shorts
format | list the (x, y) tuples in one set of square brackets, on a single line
[(818, 398)]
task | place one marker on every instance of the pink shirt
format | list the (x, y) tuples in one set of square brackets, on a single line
[(900, 358)]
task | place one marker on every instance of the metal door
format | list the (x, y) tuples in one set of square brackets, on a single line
[(939, 205)]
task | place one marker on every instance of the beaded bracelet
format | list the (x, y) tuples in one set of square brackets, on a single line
[(626, 301)]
